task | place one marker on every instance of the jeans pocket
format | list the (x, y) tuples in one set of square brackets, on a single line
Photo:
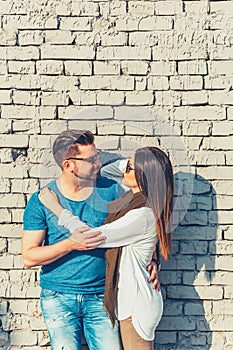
[(48, 293)]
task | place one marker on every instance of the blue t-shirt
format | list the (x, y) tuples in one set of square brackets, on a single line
[(79, 272)]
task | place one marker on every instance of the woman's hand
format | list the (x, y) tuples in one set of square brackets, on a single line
[(50, 201), (86, 241), (152, 268)]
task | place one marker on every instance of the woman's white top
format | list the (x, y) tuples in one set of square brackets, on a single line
[(135, 231)]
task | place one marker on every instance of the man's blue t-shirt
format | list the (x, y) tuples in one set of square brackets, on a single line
[(79, 272)]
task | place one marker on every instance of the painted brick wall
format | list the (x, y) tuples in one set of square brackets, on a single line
[(135, 73)]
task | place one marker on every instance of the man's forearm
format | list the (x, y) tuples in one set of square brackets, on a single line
[(44, 255)]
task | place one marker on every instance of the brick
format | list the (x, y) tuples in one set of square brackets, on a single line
[(220, 217), (11, 200), (59, 37), (162, 338), (207, 113), (192, 68), (132, 113), (139, 98), (176, 323), (107, 68), (193, 128), (222, 128), (222, 202), (221, 97), (29, 22), (107, 143), (158, 83), (221, 52), (119, 53), (195, 308), (21, 337), (185, 292), (3, 67), (26, 126), (76, 23), (113, 39), (49, 67), (78, 68), (110, 128), (195, 233), (7, 37), (186, 82), (135, 67), (179, 53), (194, 248), (162, 68), (218, 143), (92, 113), (220, 67), (131, 143), (54, 99), (169, 7), (58, 83), (223, 187), (155, 23), (194, 98), (5, 97), (216, 82), (127, 23), (220, 7), (26, 97), (17, 216), (221, 248), (141, 8), (66, 52), (112, 98), (53, 126), (82, 97), (22, 67), (167, 98), (139, 128), (107, 83), (85, 9), (196, 7), (5, 215), (22, 53), (28, 37), (83, 124), (20, 81), (20, 141)]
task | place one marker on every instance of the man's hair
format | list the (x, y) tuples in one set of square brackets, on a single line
[(67, 144)]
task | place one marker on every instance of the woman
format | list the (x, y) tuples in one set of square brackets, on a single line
[(142, 217)]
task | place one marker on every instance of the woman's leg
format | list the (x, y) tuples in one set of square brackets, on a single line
[(130, 338)]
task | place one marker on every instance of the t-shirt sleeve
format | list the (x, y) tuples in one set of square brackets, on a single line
[(34, 217)]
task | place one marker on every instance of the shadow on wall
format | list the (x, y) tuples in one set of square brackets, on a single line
[(186, 277)]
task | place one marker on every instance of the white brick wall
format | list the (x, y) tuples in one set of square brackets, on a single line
[(136, 73)]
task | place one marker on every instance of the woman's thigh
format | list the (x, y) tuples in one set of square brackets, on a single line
[(131, 340)]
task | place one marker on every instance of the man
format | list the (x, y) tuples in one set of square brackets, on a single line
[(72, 276)]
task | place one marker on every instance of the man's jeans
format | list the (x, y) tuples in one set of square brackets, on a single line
[(67, 315)]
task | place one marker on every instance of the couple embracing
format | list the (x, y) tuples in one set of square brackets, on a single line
[(96, 244)]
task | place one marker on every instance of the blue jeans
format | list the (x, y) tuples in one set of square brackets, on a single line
[(67, 315)]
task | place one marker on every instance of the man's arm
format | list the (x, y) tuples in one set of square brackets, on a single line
[(35, 254)]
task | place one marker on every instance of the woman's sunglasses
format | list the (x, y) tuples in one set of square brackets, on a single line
[(128, 167)]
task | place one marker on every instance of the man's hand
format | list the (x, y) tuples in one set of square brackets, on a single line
[(86, 241), (154, 275)]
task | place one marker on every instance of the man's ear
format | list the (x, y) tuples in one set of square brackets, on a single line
[(68, 166)]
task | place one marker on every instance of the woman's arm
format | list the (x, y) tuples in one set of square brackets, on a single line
[(123, 231)]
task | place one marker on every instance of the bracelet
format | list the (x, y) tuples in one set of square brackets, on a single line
[(157, 263)]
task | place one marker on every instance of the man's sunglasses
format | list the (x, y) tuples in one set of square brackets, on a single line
[(90, 160), (128, 167)]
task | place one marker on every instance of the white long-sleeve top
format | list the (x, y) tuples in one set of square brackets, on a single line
[(135, 231)]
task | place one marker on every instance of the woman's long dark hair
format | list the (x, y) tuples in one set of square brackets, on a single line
[(154, 176)]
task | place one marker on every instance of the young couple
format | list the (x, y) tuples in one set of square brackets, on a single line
[(94, 276)]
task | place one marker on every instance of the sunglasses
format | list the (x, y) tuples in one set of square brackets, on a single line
[(90, 160), (128, 167)]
